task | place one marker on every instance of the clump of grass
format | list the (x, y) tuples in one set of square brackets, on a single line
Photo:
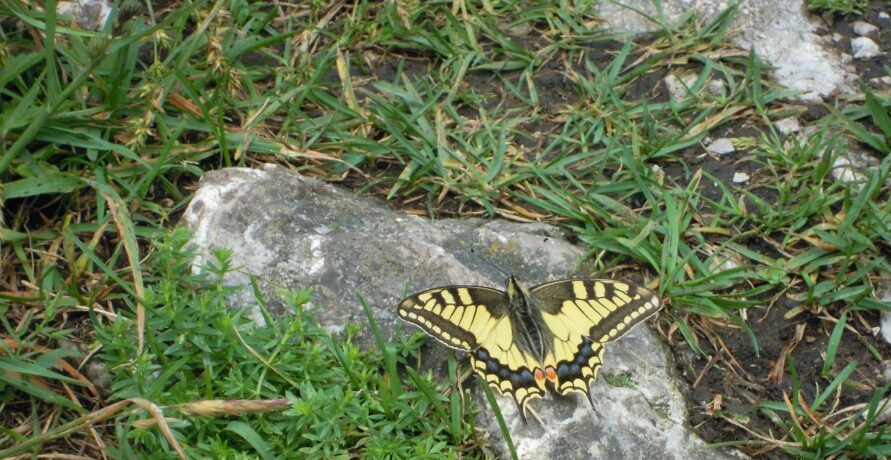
[(822, 426)]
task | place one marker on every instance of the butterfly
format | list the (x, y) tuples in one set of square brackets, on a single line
[(523, 340)]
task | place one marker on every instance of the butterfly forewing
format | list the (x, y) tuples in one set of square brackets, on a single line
[(461, 317), (582, 315)]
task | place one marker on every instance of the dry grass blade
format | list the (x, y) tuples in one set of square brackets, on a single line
[(13, 344), (793, 414), (768, 440), (214, 407), (264, 360), (82, 423), (308, 36), (778, 371), (161, 422), (128, 237)]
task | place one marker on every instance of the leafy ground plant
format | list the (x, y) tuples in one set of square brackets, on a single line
[(212, 384)]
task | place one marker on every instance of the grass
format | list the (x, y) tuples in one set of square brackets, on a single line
[(526, 112)]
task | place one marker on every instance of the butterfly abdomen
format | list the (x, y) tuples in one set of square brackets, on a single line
[(526, 320)]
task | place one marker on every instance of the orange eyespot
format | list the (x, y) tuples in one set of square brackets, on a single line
[(551, 374), (539, 375)]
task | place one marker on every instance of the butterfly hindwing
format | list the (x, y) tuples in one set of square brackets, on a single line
[(582, 315), (509, 370), (475, 319)]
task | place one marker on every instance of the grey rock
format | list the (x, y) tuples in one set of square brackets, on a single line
[(291, 231), (850, 167), (679, 86), (885, 321)]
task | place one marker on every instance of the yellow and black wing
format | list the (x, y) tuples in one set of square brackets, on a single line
[(478, 320), (582, 315)]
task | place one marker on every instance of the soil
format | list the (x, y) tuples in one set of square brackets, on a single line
[(842, 29)]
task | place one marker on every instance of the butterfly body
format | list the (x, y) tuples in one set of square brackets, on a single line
[(523, 340)]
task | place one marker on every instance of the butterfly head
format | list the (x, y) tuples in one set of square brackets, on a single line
[(516, 290), (513, 286)]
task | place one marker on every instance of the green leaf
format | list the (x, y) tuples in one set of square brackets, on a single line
[(253, 438), (43, 185)]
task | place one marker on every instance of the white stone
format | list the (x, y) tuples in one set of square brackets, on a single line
[(740, 178), (882, 416), (781, 32), (715, 88), (886, 326), (721, 146), (864, 48), (844, 170), (885, 321), (89, 14), (679, 85), (884, 15), (864, 28), (788, 126), (284, 211)]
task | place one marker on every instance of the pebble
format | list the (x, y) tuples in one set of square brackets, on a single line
[(679, 85), (879, 82), (721, 146), (864, 28), (788, 125), (864, 48), (885, 320), (740, 178), (842, 171)]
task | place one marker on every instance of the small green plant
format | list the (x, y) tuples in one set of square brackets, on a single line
[(198, 348), (619, 380), (843, 7)]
